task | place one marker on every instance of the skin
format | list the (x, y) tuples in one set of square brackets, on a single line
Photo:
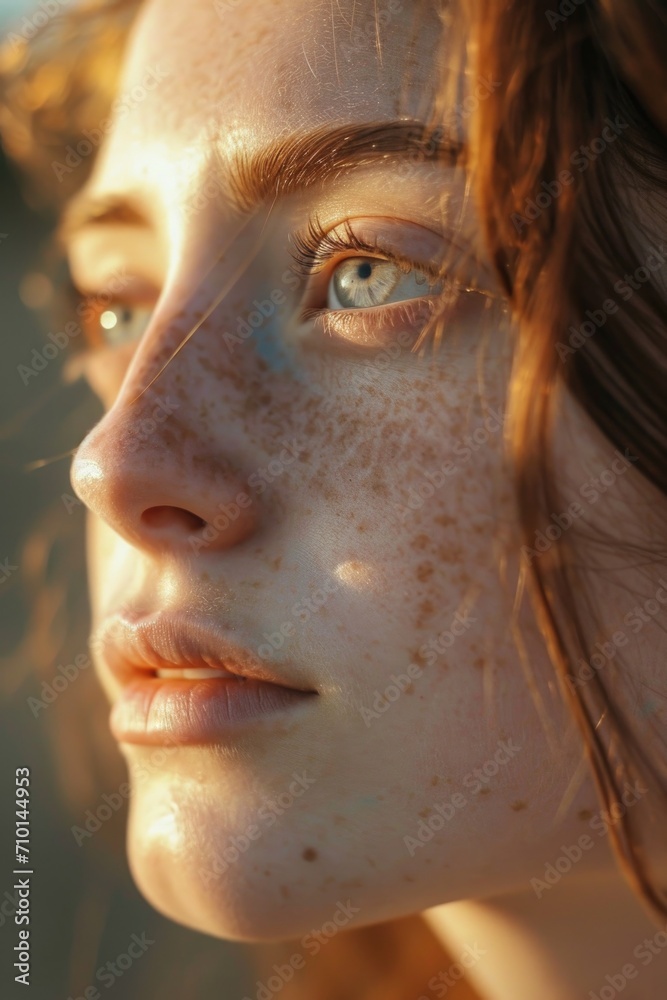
[(340, 515)]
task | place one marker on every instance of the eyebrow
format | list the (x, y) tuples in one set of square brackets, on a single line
[(304, 160), (288, 165), (84, 211)]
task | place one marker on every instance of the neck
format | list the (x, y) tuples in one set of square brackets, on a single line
[(586, 939)]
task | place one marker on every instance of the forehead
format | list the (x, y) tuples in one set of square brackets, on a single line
[(244, 72)]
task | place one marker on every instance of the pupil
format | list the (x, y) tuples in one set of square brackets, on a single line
[(364, 270)]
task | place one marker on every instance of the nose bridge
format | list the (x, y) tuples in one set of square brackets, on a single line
[(189, 345), (150, 405), (210, 291)]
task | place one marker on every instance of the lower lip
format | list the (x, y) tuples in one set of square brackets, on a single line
[(159, 711)]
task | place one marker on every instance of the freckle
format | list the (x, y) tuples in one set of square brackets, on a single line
[(409, 688), (435, 780), (585, 814), (339, 820), (277, 563), (420, 542), (362, 527), (451, 554), (479, 663), (371, 862), (408, 878), (444, 521), (285, 891), (309, 854), (266, 871), (518, 806), (424, 812), (426, 610), (484, 791), (424, 571)]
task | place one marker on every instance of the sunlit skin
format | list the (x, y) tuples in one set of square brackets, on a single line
[(343, 518)]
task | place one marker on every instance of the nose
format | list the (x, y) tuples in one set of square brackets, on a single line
[(158, 484)]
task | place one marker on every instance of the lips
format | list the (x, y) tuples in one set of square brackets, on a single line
[(182, 681)]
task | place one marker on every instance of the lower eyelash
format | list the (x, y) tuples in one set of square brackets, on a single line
[(373, 324)]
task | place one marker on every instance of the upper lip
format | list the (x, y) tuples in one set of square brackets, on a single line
[(176, 640)]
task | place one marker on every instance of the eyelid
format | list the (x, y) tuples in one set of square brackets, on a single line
[(380, 237), (131, 289)]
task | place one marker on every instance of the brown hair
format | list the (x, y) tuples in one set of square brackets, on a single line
[(577, 71), (562, 72)]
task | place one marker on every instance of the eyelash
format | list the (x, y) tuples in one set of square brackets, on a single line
[(314, 248)]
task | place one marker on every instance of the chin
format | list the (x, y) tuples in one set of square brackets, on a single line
[(181, 896), (262, 894), (182, 888), (178, 869)]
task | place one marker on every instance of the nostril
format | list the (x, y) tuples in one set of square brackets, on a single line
[(169, 517)]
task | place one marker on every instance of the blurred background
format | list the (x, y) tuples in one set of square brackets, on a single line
[(84, 908)]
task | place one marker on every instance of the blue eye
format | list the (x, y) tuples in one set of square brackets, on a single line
[(363, 282), (120, 323)]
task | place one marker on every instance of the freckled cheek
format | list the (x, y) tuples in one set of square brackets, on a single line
[(411, 550), (404, 476)]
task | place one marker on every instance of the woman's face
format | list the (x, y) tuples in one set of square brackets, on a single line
[(299, 496)]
